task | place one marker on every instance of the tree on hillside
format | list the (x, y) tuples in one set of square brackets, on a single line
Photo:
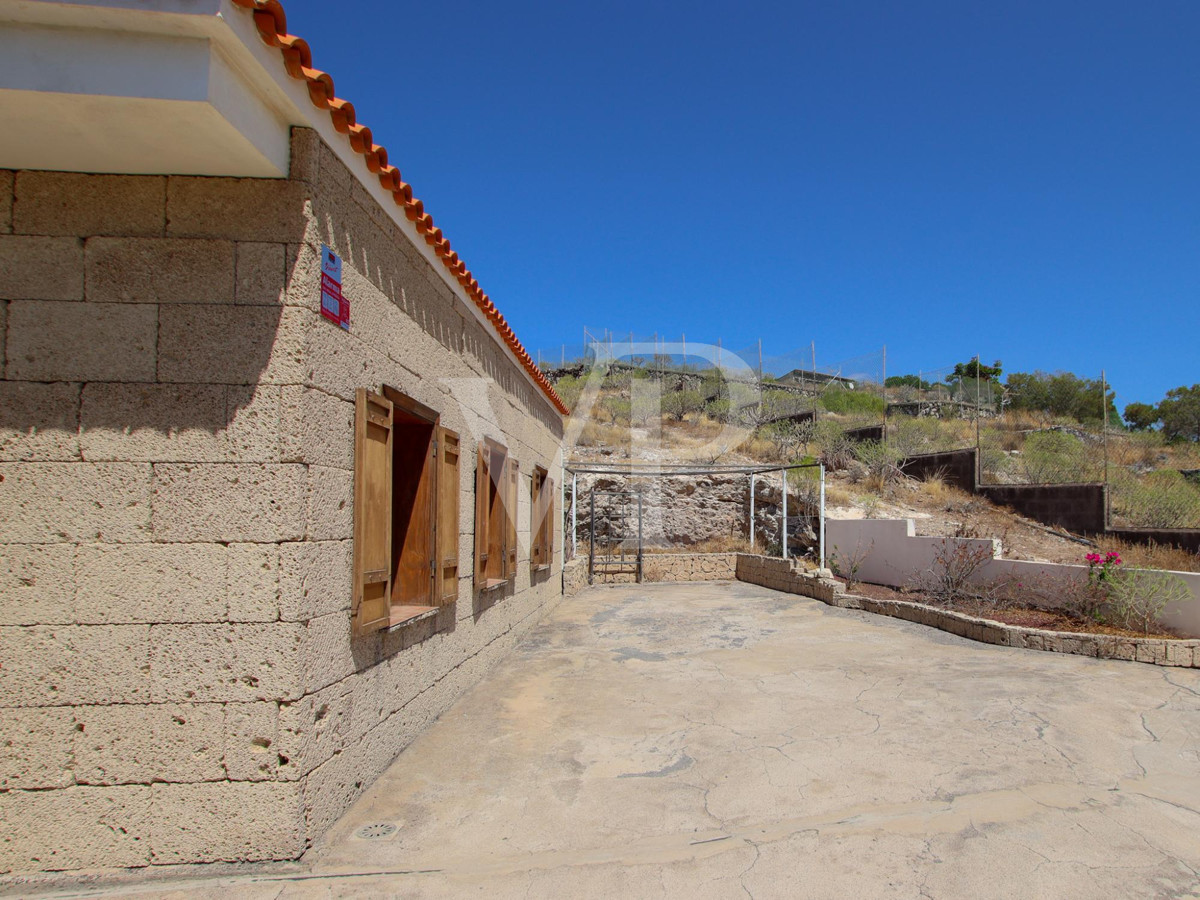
[(678, 404), (1061, 394), (913, 381), (975, 370), (1180, 413), (1140, 416)]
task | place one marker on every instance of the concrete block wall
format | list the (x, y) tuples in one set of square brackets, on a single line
[(180, 684), (956, 467), (1075, 507), (891, 553)]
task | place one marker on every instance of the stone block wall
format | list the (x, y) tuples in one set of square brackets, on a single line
[(788, 575), (176, 474), (657, 567)]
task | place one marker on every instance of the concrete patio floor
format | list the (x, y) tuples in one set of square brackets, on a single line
[(724, 740)]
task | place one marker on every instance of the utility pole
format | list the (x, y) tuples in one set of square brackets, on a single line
[(884, 385), (1104, 425), (978, 441), (814, 381)]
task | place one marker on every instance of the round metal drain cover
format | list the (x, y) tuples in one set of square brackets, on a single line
[(378, 830)]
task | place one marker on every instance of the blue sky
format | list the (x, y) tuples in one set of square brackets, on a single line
[(1017, 180)]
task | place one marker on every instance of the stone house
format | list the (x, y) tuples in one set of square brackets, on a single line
[(277, 480)]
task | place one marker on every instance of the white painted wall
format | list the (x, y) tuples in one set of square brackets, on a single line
[(893, 555), (88, 99)]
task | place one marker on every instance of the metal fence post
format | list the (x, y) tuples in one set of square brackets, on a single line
[(574, 515), (751, 510), (784, 529), (592, 541), (822, 516)]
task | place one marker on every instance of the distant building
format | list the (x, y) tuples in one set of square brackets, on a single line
[(809, 378)]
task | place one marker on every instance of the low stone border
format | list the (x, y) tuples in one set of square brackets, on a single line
[(1159, 651), (791, 577)]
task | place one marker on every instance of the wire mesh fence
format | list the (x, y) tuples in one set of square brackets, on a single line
[(798, 397)]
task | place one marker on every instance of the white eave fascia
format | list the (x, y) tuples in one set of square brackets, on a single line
[(88, 86)]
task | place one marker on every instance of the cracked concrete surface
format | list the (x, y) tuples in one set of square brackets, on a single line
[(724, 740)]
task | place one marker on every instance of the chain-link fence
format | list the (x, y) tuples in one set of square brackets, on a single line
[(1019, 440)]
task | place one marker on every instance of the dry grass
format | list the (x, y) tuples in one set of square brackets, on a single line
[(836, 495), (1152, 556), (722, 544), (760, 448), (725, 544), (598, 433)]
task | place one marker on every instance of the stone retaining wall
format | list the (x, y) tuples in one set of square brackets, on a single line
[(788, 575), (657, 567)]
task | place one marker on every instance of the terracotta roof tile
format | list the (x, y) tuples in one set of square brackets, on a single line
[(271, 22)]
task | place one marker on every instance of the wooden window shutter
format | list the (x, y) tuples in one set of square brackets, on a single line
[(510, 509), (373, 436), (447, 516), (541, 520), (548, 522), (482, 487), (535, 518)]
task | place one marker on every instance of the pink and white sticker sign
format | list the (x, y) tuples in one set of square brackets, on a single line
[(334, 306)]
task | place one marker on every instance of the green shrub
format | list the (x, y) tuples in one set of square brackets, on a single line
[(1054, 457), (1161, 499), (678, 404), (569, 388), (913, 436), (1136, 598), (718, 409), (842, 401), (882, 460)]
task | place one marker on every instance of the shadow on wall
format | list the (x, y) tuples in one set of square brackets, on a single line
[(380, 254), (206, 295), (169, 316)]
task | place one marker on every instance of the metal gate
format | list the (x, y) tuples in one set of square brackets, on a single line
[(615, 534)]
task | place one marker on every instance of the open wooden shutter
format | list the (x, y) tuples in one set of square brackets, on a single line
[(373, 436), (535, 518), (482, 489), (510, 488), (446, 581), (541, 520), (547, 529)]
